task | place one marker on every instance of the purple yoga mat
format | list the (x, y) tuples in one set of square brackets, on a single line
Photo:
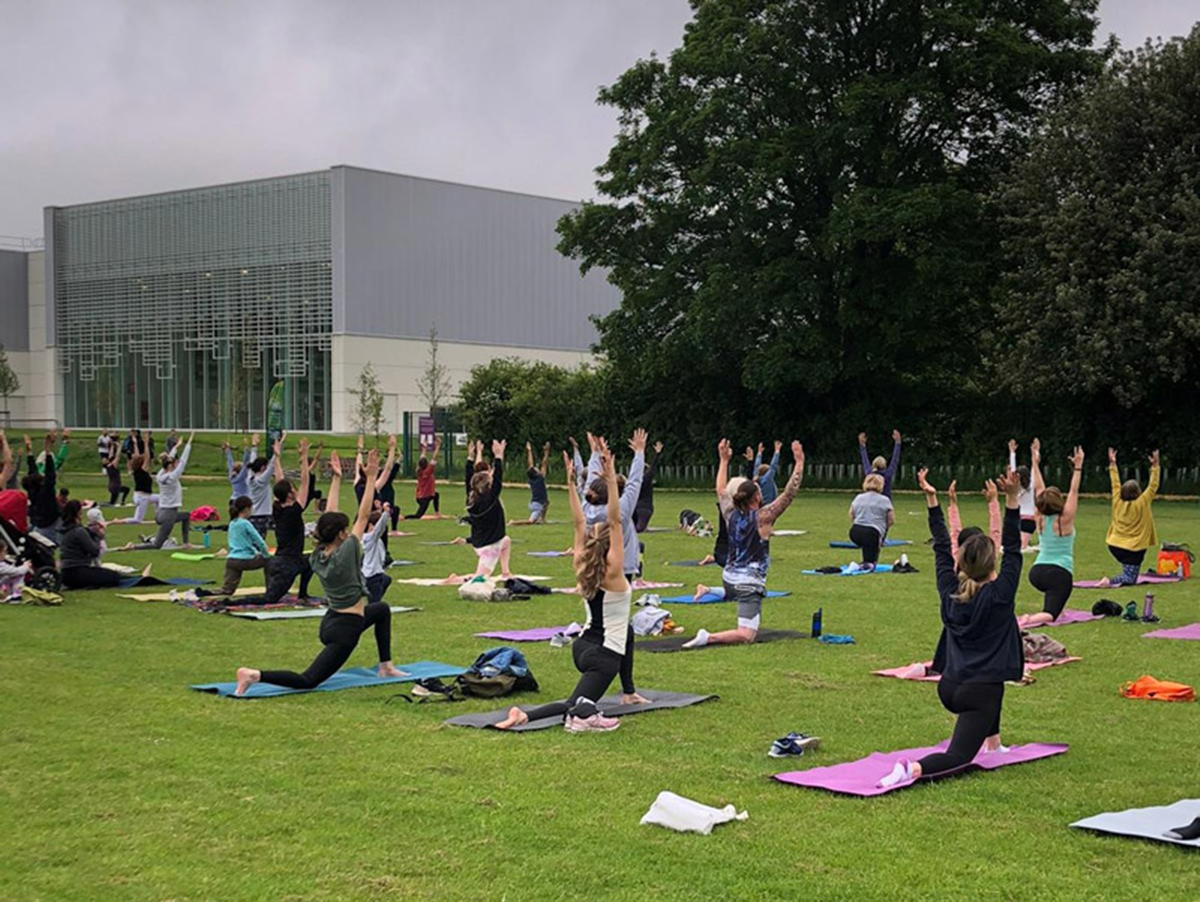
[(858, 778), (1145, 579), (538, 634), (1191, 631), (1070, 615)]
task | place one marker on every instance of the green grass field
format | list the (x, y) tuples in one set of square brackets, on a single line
[(117, 782)]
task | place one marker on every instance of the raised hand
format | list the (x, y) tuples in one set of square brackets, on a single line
[(1154, 458), (303, 449), (498, 448), (574, 444), (254, 440), (28, 444), (1035, 450), (896, 436), (637, 444), (658, 446), (952, 491), (923, 482), (990, 491), (335, 462), (1012, 446), (798, 454), (1010, 484), (1112, 457), (748, 453), (760, 449), (277, 447), (529, 447), (391, 442), (372, 467), (724, 449), (1076, 458), (569, 464), (778, 446), (862, 439)]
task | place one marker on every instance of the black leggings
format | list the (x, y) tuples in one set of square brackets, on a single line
[(598, 667), (1055, 583), (423, 505), (978, 708), (641, 518), (868, 539), (120, 492), (339, 634), (283, 572), (90, 578)]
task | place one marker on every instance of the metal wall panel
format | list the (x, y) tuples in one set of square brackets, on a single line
[(479, 264), (14, 300)]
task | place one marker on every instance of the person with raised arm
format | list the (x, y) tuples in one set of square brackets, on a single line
[(595, 500), (337, 562), (881, 466), (1052, 573), (1131, 531), (605, 649), (539, 498), (957, 533), (764, 474), (291, 501), (749, 524), (427, 492), (170, 497), (643, 510), (238, 470), (485, 512), (980, 646)]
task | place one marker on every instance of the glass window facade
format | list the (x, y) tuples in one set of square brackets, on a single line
[(203, 309)]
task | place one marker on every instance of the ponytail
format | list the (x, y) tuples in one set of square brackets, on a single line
[(592, 561)]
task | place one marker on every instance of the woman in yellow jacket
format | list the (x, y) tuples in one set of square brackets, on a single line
[(1131, 531)]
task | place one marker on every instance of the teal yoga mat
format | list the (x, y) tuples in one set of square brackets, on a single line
[(887, 543), (353, 678), (708, 598), (879, 568)]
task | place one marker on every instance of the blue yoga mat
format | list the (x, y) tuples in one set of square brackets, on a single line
[(887, 543), (689, 564), (709, 598), (879, 568), (353, 678), (132, 582)]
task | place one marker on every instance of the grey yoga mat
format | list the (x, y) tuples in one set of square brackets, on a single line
[(1147, 823), (610, 705), (675, 643), (303, 614)]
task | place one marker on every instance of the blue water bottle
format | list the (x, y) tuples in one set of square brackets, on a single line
[(816, 624), (207, 537)]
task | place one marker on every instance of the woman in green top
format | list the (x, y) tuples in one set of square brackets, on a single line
[(1053, 572), (337, 562)]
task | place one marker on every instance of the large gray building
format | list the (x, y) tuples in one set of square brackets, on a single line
[(193, 308)]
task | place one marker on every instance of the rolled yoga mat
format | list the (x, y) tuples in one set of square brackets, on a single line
[(859, 778), (610, 706), (675, 643), (353, 678), (1147, 823)]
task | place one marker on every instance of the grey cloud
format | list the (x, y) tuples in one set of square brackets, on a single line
[(109, 98)]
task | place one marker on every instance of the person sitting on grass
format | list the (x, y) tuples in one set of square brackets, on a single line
[(79, 551), (338, 564), (980, 646), (606, 647), (1131, 530), (749, 524), (539, 499)]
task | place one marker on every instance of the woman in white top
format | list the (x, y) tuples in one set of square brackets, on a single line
[(170, 497), (603, 650)]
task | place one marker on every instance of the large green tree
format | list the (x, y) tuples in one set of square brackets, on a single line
[(1102, 228), (795, 205)]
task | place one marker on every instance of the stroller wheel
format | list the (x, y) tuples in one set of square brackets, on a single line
[(48, 579)]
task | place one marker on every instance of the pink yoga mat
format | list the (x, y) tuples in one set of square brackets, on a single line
[(898, 672), (652, 584), (1192, 631), (1070, 615), (538, 634), (1146, 579), (858, 778)]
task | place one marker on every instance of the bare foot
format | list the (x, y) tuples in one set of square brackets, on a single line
[(458, 540), (388, 669), (246, 677), (634, 698), (515, 718), (221, 552), (701, 591), (706, 560), (146, 572), (128, 546)]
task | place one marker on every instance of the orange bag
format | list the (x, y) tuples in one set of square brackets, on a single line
[(1176, 562), (1158, 690)]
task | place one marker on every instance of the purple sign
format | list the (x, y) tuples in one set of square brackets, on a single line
[(425, 431)]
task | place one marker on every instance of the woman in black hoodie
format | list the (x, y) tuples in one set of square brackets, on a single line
[(980, 647)]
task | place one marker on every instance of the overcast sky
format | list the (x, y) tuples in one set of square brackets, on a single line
[(111, 98)]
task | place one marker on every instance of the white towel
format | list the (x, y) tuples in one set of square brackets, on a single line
[(677, 813)]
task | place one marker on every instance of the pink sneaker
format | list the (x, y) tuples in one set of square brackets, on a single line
[(597, 723)]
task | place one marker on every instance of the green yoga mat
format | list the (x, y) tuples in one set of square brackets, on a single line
[(190, 556)]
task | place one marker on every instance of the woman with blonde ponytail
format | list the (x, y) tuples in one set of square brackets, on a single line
[(980, 646), (606, 647)]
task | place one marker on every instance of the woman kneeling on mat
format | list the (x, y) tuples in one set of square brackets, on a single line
[(1052, 573), (1131, 531), (337, 562), (980, 646), (606, 647), (750, 525), (871, 516)]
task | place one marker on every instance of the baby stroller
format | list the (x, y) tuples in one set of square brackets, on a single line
[(24, 545)]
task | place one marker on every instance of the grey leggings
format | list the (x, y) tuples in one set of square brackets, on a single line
[(166, 518)]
